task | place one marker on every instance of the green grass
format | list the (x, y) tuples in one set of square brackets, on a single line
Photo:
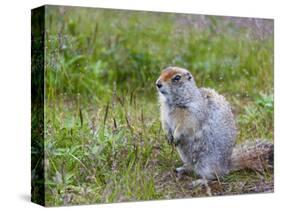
[(103, 138)]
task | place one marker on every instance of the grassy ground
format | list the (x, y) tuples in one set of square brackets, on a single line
[(103, 138)]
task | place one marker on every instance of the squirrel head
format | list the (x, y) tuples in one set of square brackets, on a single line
[(176, 86)]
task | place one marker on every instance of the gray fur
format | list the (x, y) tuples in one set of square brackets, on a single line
[(206, 146)]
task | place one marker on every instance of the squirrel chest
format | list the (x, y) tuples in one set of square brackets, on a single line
[(181, 122), (185, 130)]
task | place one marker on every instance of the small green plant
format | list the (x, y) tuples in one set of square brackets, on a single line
[(257, 118)]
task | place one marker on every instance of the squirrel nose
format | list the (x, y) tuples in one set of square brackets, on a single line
[(159, 84)]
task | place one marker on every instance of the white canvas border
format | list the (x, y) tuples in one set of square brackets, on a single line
[(15, 103)]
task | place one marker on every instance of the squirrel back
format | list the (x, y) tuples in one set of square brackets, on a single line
[(199, 121)]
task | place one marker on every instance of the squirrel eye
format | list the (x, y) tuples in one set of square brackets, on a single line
[(177, 78)]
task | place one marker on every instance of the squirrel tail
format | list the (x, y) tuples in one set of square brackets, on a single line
[(256, 155)]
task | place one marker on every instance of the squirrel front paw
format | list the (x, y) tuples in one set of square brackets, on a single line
[(170, 138), (176, 142), (178, 138)]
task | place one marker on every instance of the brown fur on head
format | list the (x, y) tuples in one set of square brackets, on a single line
[(176, 85), (168, 73)]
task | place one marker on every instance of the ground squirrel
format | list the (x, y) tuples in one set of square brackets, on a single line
[(200, 123)]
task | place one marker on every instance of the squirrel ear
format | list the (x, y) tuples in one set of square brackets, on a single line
[(189, 76)]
